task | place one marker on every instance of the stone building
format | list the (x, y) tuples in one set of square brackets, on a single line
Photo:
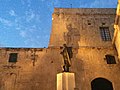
[(116, 38), (95, 61)]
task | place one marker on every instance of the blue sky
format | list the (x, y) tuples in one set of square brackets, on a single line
[(27, 23)]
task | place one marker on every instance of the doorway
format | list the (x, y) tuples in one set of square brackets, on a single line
[(101, 84)]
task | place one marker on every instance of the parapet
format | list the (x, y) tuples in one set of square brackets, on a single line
[(85, 11)]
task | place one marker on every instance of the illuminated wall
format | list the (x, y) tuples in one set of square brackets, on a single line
[(116, 38)]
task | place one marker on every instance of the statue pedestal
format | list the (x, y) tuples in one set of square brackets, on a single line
[(65, 81)]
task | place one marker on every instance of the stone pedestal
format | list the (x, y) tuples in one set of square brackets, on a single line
[(65, 81)]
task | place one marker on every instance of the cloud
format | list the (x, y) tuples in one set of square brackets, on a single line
[(18, 28), (103, 4), (38, 18), (23, 34), (29, 35), (32, 29), (2, 45), (29, 15), (26, 2), (32, 42), (25, 25), (56, 3), (6, 22), (29, 3), (12, 13), (98, 4)]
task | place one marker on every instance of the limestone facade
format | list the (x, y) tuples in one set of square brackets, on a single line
[(116, 38), (37, 68)]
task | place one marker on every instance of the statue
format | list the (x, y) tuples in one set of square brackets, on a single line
[(67, 55)]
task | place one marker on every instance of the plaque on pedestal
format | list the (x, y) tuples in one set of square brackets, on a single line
[(65, 81)]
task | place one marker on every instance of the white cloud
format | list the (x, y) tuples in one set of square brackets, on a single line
[(5, 22), (98, 4), (12, 13), (56, 2), (31, 42), (103, 4), (29, 3), (1, 45), (29, 15), (32, 29), (26, 2), (37, 18), (32, 16), (18, 28), (23, 34)]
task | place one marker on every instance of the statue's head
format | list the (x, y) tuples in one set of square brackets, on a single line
[(64, 45)]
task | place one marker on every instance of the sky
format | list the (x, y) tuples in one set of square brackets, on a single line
[(27, 23)]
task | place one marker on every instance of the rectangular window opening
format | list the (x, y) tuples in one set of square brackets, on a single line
[(13, 57), (110, 59), (105, 34)]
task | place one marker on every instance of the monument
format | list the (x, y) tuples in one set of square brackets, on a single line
[(66, 53), (66, 79)]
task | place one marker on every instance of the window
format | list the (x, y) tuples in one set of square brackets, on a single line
[(110, 59), (89, 23), (13, 57), (103, 23), (105, 34)]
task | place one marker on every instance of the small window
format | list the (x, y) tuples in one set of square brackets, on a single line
[(89, 23), (110, 59), (103, 23), (13, 57), (105, 34)]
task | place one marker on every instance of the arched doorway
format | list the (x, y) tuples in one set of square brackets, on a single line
[(101, 84)]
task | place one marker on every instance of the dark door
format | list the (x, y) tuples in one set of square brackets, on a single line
[(101, 84)]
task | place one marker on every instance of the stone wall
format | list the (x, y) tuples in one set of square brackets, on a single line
[(116, 38), (88, 63), (83, 24)]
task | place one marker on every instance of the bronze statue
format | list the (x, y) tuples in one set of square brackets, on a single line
[(67, 55)]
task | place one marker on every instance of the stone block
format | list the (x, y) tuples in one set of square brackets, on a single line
[(65, 81)]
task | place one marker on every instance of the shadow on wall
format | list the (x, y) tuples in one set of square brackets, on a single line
[(72, 38), (70, 48)]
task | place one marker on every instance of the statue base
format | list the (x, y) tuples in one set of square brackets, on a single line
[(66, 81)]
